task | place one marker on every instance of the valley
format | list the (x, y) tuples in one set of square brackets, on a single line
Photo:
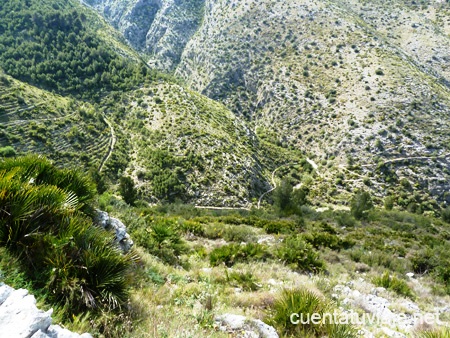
[(266, 157)]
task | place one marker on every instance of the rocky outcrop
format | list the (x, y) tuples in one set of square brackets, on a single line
[(123, 239), (384, 312), (243, 327), (160, 28), (20, 318)]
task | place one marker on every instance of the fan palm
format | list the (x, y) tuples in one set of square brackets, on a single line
[(43, 221)]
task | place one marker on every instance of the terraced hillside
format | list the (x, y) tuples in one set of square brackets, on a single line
[(33, 120), (361, 87), (336, 84), (185, 146), (117, 115)]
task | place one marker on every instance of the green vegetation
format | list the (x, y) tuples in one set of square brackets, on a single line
[(446, 214), (394, 284), (184, 262), (54, 46), (233, 253), (300, 254), (71, 90), (45, 224), (434, 333), (166, 175), (7, 151), (305, 303), (162, 239), (360, 204), (127, 190)]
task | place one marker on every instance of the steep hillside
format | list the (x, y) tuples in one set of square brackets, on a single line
[(159, 28), (116, 115), (185, 146), (332, 84), (33, 120), (362, 87)]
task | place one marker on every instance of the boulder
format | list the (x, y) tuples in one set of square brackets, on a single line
[(20, 318), (244, 327), (123, 239)]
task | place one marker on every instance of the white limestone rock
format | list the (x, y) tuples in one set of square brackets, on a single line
[(20, 318), (113, 224), (244, 327)]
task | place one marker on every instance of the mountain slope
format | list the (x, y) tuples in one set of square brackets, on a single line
[(33, 120), (160, 29), (356, 85), (182, 145), (120, 117)]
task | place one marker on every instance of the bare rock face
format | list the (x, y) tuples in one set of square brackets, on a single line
[(20, 318), (244, 327), (159, 28), (123, 239)]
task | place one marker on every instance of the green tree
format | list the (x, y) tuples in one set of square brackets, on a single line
[(446, 214), (299, 197), (127, 190), (361, 204), (99, 180), (389, 202), (282, 196), (7, 151)]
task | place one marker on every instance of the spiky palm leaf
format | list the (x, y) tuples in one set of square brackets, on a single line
[(40, 171), (42, 220)]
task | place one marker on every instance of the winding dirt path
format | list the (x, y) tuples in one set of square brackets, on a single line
[(420, 158), (111, 144), (273, 183)]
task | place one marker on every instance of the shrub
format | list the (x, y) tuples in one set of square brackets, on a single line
[(446, 214), (232, 219), (245, 280), (345, 219), (192, 227), (7, 151), (424, 261), (94, 274), (389, 202), (127, 190), (326, 240), (395, 284), (283, 226), (213, 230), (238, 234), (225, 254), (378, 258), (361, 204), (234, 253), (162, 239), (443, 274), (282, 196), (434, 333), (305, 303), (44, 222), (299, 254)]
